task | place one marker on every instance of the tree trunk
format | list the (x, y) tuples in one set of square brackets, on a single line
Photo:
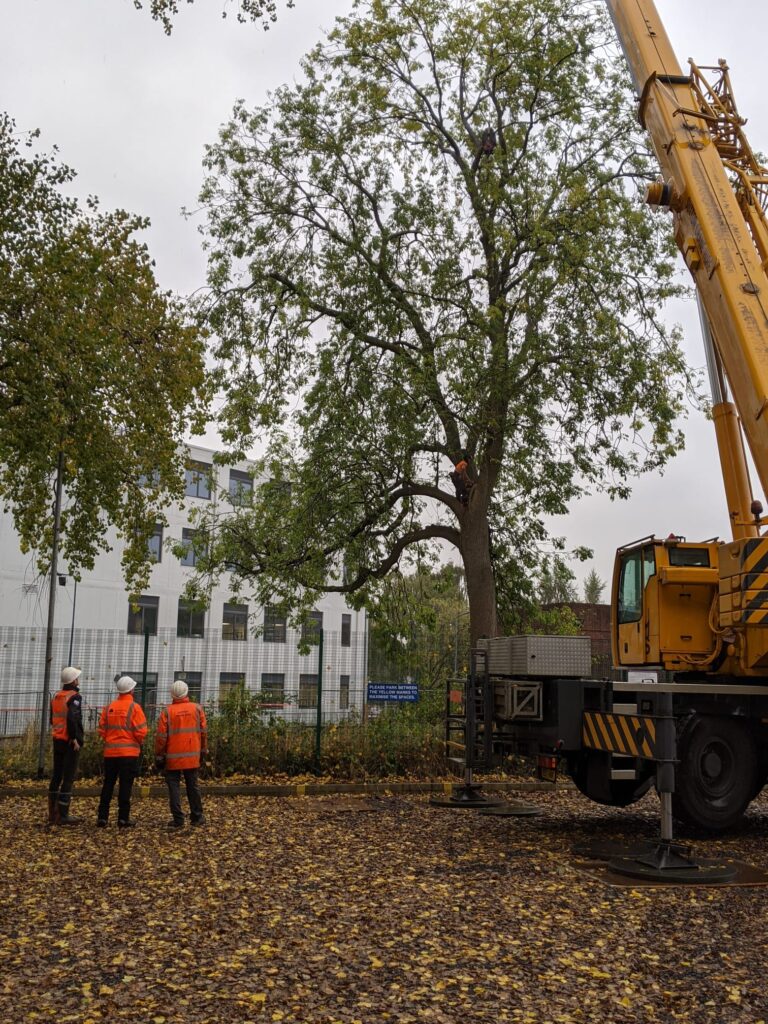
[(481, 586)]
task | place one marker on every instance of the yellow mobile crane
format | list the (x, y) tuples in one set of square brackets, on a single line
[(701, 610), (692, 616)]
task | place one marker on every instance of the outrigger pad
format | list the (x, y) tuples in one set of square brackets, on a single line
[(702, 872), (511, 810), (602, 849), (465, 797)]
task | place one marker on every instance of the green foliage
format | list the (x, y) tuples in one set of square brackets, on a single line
[(96, 365), (593, 588), (419, 627), (247, 738), (390, 293), (544, 610), (558, 620), (557, 581), (165, 11)]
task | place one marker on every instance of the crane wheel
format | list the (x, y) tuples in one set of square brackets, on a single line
[(717, 773)]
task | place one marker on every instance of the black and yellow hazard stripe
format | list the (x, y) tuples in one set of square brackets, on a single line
[(755, 611), (619, 734), (754, 564)]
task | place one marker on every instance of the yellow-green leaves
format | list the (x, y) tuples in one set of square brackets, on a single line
[(96, 363)]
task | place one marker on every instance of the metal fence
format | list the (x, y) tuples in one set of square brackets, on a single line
[(247, 735), (212, 667)]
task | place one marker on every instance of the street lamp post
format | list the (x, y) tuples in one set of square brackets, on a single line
[(51, 610)]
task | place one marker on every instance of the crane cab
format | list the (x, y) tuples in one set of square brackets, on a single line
[(665, 594)]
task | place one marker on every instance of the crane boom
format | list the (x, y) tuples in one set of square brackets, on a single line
[(717, 191)]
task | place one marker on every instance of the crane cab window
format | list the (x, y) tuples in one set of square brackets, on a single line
[(637, 567), (689, 556)]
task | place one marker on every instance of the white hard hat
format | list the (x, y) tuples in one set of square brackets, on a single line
[(69, 675), (125, 684), (179, 688)]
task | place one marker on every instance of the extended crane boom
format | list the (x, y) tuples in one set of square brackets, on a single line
[(717, 191)]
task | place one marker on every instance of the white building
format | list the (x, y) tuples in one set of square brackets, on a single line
[(213, 650)]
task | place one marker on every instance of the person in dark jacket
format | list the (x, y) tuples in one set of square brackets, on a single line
[(68, 736)]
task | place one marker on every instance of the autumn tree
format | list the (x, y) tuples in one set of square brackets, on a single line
[(100, 372), (429, 251)]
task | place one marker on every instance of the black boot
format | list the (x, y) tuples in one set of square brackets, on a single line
[(64, 818), (53, 810)]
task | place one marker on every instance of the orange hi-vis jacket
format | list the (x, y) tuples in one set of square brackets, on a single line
[(182, 735), (123, 727), (59, 703)]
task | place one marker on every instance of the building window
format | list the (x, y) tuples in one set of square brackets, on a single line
[(346, 630), (155, 543), (229, 682), (142, 615), (148, 480), (273, 687), (198, 480), (240, 487), (191, 620), (188, 541), (194, 681), (343, 693), (235, 622), (307, 690), (310, 628), (274, 625)]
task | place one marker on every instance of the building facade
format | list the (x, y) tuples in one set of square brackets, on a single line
[(232, 642)]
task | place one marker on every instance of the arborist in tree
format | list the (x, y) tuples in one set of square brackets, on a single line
[(485, 148), (123, 727), (181, 743), (461, 479), (68, 736)]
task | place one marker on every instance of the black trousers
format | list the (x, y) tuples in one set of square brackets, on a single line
[(124, 769), (65, 759), (173, 780)]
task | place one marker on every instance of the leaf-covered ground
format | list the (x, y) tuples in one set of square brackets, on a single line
[(343, 910)]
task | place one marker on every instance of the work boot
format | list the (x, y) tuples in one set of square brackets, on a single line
[(198, 822), (64, 818), (53, 810), (126, 824), (101, 823), (172, 824)]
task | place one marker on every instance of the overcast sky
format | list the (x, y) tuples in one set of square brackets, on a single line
[(131, 110)]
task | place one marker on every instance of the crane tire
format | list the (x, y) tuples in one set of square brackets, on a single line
[(717, 772)]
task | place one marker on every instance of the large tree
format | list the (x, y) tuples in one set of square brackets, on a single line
[(101, 373), (430, 249)]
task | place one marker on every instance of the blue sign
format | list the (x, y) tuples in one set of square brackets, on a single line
[(393, 691)]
